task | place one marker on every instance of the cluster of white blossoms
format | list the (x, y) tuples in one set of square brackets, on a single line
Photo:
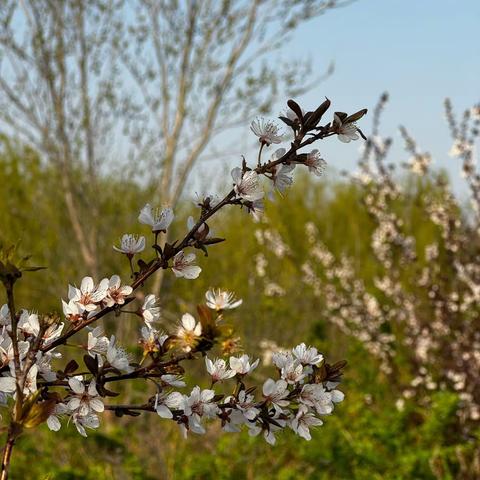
[(304, 391), (296, 400), (28, 330), (90, 298)]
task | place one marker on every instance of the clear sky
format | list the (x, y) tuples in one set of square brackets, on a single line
[(420, 51)]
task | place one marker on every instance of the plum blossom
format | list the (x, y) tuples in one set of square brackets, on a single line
[(117, 357), (165, 404), (43, 362), (276, 393), (84, 399), (247, 185), (199, 404), (221, 300), (97, 342), (5, 319), (88, 296), (150, 311), (315, 396), (218, 370), (173, 380), (87, 421), (266, 131), (303, 421), (131, 244), (28, 323), (241, 365), (293, 373), (158, 219), (307, 356), (257, 209), (315, 163), (188, 332), (72, 311), (151, 340), (8, 382), (246, 404), (282, 359), (183, 265), (53, 421), (6, 348), (346, 132), (115, 293), (282, 176)]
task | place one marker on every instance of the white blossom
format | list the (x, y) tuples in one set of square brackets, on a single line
[(117, 357), (266, 131), (303, 421), (282, 176), (184, 266), (158, 219), (150, 311), (53, 421), (97, 342), (307, 356), (84, 399), (346, 132), (131, 244), (173, 380), (242, 365), (218, 370), (165, 404), (276, 393), (5, 319), (88, 296), (247, 185), (72, 311), (188, 332), (115, 292), (315, 163), (221, 300), (82, 422)]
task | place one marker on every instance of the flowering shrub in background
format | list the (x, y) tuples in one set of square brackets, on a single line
[(412, 298), (35, 389)]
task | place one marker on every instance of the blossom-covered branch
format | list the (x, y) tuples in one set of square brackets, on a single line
[(36, 392)]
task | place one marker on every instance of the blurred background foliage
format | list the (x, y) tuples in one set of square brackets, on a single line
[(369, 437)]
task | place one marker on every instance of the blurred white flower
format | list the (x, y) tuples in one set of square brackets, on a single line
[(266, 131), (188, 332), (315, 163), (218, 370), (117, 357), (173, 380), (247, 185), (282, 176), (131, 244), (150, 311), (346, 132), (302, 423), (158, 219), (82, 422), (276, 393), (242, 365), (307, 356), (221, 300)]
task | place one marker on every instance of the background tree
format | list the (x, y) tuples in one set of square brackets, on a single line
[(194, 69)]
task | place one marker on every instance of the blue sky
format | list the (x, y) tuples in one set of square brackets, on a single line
[(420, 51)]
